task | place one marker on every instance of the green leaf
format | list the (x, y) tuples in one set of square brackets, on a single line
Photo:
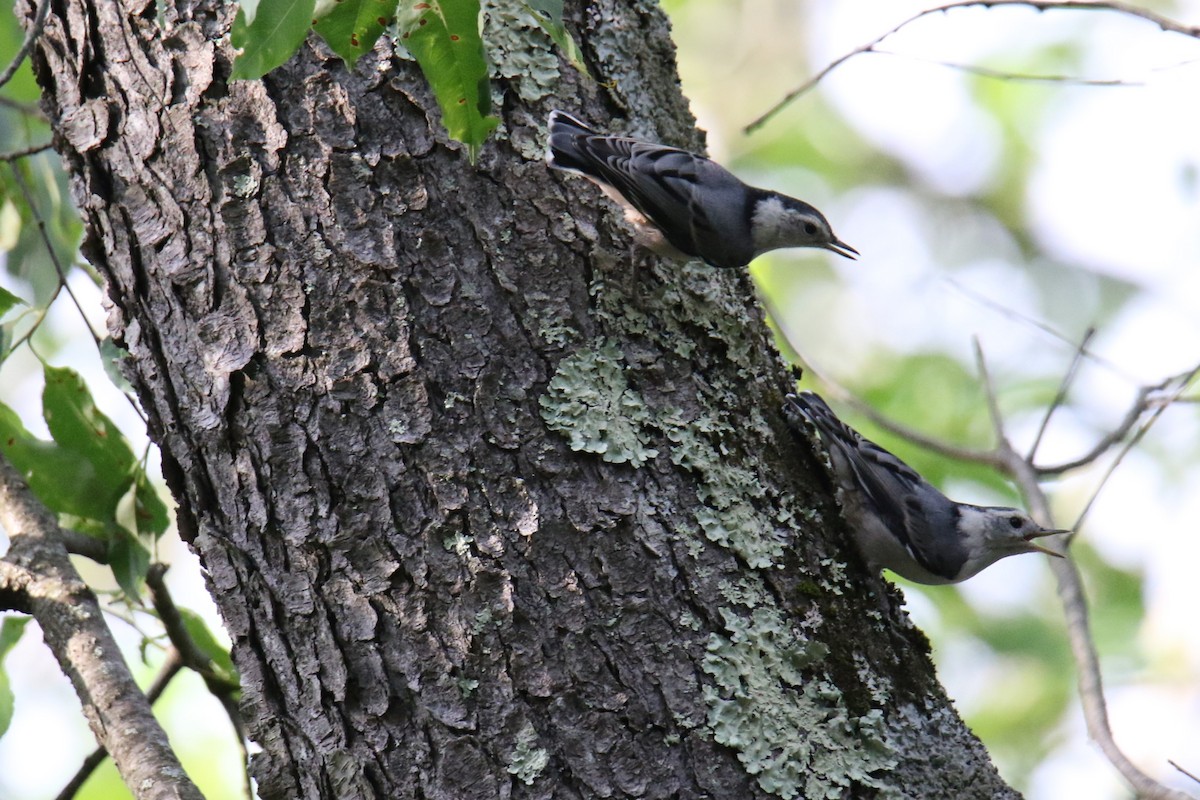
[(277, 30), (77, 425), (8, 300), (549, 14), (66, 483), (203, 638), (149, 509), (7, 701), (129, 561), (443, 35), (88, 474), (10, 634), (353, 26), (111, 357)]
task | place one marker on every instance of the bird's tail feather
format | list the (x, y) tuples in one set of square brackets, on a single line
[(813, 409), (563, 148)]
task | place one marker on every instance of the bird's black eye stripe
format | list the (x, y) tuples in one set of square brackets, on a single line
[(1015, 522)]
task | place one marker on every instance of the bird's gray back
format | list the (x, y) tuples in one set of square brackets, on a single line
[(700, 206), (918, 514)]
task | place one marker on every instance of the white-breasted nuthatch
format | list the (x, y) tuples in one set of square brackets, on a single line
[(899, 520), (682, 205)]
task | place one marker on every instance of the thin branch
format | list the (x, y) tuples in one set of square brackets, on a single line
[(62, 286), (837, 390), (1162, 22), (1061, 395), (28, 109), (1083, 648), (31, 35), (1145, 400), (1133, 441), (1001, 75), (72, 624), (80, 544), (27, 194), (1003, 447), (195, 659), (1033, 322), (170, 668), (31, 150), (1184, 771)]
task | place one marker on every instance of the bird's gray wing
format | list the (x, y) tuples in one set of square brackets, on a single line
[(886, 481), (922, 518), (687, 196)]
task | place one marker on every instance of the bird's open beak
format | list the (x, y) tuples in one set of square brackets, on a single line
[(1039, 548), (842, 249)]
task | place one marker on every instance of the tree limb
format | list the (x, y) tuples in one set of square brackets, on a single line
[(170, 669), (71, 621)]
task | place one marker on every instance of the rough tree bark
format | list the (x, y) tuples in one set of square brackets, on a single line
[(491, 506)]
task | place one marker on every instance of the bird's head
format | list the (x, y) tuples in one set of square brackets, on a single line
[(782, 221), (990, 533)]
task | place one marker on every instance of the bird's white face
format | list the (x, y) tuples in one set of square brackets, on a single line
[(1000, 532), (779, 223)]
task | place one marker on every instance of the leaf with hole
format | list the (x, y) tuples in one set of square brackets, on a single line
[(443, 35), (352, 27)]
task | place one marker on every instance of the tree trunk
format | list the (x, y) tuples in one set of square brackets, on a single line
[(492, 505)]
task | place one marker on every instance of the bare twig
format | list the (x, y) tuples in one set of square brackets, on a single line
[(997, 74), (1003, 447), (169, 670), (37, 566), (1162, 22), (1133, 441), (1083, 649), (31, 150), (195, 659), (28, 109), (930, 443), (1033, 322), (1061, 395), (27, 194), (1146, 399), (80, 544), (31, 35), (1184, 771)]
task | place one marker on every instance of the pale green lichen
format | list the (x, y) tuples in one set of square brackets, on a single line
[(748, 590), (527, 760), (590, 401), (728, 516), (794, 734), (518, 48)]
